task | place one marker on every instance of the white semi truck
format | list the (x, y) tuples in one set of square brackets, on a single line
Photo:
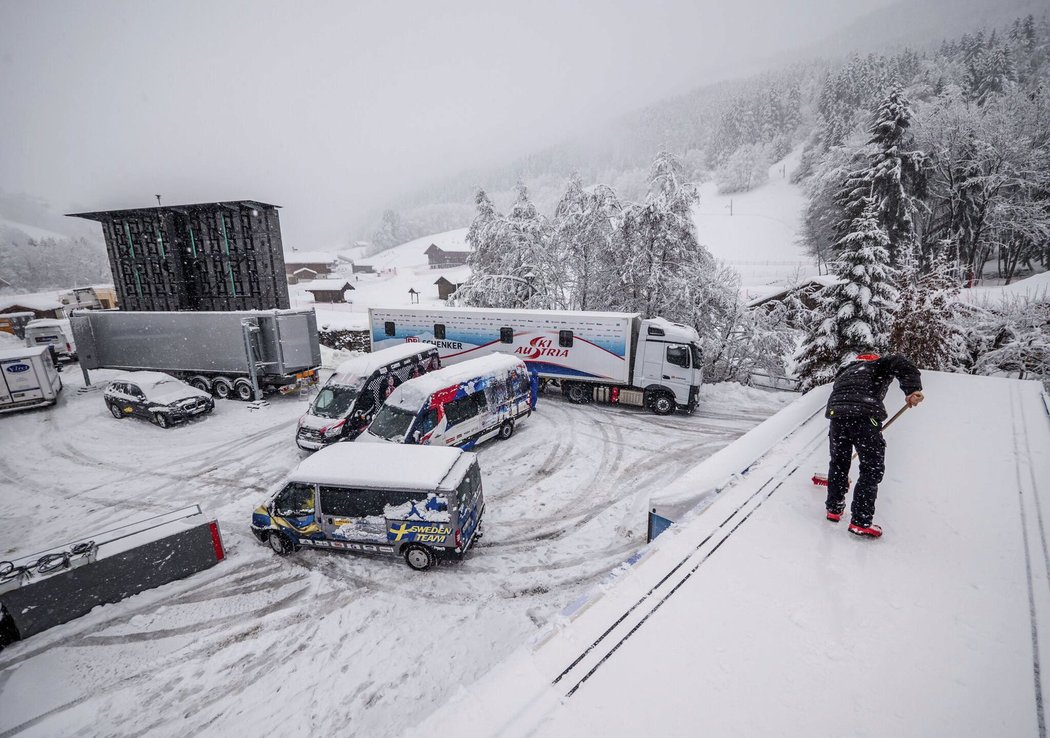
[(594, 357)]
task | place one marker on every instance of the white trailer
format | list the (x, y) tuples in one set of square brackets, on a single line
[(28, 378), (606, 357)]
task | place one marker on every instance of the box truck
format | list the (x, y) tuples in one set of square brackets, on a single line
[(604, 357), (230, 354), (28, 378), (52, 332)]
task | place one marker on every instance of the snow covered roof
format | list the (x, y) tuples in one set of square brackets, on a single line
[(328, 285), (379, 465), (414, 392), (539, 314), (47, 323), (33, 302), (21, 352), (144, 379), (821, 281), (310, 257), (363, 366)]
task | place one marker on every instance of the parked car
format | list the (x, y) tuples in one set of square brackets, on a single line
[(419, 503), (157, 397)]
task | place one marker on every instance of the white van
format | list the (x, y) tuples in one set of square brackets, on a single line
[(350, 398), (461, 405), (57, 333), (28, 379)]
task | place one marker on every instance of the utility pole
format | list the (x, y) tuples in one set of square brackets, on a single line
[(158, 200)]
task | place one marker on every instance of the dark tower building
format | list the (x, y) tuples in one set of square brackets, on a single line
[(208, 256)]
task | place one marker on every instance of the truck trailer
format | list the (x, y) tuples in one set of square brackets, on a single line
[(230, 354), (594, 357), (28, 378)]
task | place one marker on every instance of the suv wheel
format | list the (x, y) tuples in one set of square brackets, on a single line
[(161, 419), (115, 411)]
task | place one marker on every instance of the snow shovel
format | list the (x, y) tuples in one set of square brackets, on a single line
[(821, 480)]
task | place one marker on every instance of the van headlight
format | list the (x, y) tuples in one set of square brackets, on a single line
[(333, 430)]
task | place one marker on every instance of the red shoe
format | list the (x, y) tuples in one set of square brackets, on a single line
[(834, 516), (865, 531)]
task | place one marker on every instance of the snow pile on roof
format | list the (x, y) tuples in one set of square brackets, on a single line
[(337, 320), (310, 257), (33, 302), (413, 393), (379, 465), (736, 621), (330, 285), (362, 366)]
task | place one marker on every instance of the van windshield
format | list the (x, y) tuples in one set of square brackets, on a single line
[(392, 423), (334, 401)]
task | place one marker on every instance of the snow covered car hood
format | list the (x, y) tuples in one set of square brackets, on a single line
[(164, 394), (316, 422)]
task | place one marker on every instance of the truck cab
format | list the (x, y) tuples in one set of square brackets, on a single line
[(668, 365)]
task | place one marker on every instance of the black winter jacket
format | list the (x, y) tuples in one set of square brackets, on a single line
[(860, 387)]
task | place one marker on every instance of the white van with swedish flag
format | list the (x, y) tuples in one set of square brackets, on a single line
[(418, 502)]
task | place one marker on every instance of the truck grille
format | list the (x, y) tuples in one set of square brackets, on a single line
[(309, 434)]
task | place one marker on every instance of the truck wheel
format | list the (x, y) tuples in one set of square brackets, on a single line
[(506, 430), (419, 557), (244, 391), (663, 404), (201, 383), (280, 544), (222, 388), (115, 412), (161, 419), (578, 393)]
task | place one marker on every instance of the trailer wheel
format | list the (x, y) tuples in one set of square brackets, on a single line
[(506, 429), (578, 393), (201, 383), (419, 557), (280, 544), (222, 388), (161, 420), (662, 404), (115, 412), (244, 390)]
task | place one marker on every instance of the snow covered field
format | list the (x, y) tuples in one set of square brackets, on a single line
[(317, 642)]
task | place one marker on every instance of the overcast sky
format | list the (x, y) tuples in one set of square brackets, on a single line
[(327, 107)]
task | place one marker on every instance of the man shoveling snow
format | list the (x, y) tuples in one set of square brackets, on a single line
[(857, 413)]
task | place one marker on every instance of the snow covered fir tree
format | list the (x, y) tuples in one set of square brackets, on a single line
[(859, 307)]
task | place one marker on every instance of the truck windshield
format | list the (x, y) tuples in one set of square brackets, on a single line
[(392, 423), (334, 401)]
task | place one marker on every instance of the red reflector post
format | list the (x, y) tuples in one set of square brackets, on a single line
[(216, 541)]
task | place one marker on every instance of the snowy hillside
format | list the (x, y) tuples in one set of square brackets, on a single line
[(398, 270), (759, 239)]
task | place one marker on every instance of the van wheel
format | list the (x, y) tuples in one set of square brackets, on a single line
[(419, 557), (161, 419), (578, 393), (244, 391), (506, 430), (116, 412), (222, 388), (662, 404), (280, 544)]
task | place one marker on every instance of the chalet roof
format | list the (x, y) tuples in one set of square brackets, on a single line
[(442, 280), (326, 285), (101, 215), (310, 257), (305, 269)]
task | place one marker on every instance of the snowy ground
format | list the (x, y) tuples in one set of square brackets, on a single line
[(318, 642), (757, 617)]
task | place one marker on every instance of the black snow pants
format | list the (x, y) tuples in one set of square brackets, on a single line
[(864, 434)]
